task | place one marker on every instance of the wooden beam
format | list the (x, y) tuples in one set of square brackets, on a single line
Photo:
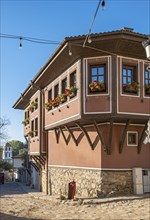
[(109, 146), (86, 134), (123, 136), (72, 135), (100, 135), (65, 139), (57, 135), (140, 142)]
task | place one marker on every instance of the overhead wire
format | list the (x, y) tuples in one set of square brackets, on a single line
[(95, 14)]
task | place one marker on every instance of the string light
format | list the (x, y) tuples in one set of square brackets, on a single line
[(89, 39), (70, 51), (102, 3), (20, 45), (29, 39)]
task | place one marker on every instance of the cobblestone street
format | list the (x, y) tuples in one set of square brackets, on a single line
[(16, 203)]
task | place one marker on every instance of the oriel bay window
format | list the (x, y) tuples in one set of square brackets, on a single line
[(147, 82), (129, 79), (97, 78)]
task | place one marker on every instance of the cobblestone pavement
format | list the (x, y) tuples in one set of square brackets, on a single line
[(16, 203)]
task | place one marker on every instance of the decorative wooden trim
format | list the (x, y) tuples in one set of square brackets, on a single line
[(57, 135), (100, 135), (140, 142), (109, 146), (86, 134), (65, 139), (123, 136), (72, 135)]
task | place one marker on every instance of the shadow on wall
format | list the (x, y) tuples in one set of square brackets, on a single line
[(11, 217)]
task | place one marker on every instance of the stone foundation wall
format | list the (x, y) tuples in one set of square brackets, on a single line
[(43, 181), (89, 182)]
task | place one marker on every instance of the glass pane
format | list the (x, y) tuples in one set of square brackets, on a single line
[(94, 78), (101, 70), (146, 74), (124, 72), (124, 80), (93, 71), (129, 72), (101, 78)]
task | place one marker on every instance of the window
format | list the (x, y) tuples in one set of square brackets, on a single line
[(63, 85), (129, 79), (132, 138), (49, 94), (36, 127), (56, 90), (36, 104), (147, 82), (63, 96), (32, 128), (73, 79), (97, 78)]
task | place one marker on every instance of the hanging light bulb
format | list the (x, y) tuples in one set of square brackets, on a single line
[(89, 39), (70, 52), (103, 4), (20, 45)]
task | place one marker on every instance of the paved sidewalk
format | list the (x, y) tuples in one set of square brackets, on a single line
[(107, 199)]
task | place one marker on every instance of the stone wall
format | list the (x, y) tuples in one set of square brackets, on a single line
[(43, 181), (89, 182)]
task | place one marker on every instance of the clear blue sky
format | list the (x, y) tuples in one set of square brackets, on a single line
[(52, 20)]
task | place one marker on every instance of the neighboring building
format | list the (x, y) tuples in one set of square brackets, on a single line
[(1, 153), (7, 153), (94, 135)]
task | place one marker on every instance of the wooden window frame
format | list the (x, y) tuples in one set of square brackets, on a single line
[(133, 77), (134, 144), (105, 75)]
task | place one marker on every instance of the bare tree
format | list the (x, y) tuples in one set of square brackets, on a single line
[(4, 122)]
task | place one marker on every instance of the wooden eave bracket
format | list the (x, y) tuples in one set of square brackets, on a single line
[(41, 159), (86, 134), (140, 142), (37, 162), (124, 134), (72, 135), (100, 135), (107, 148), (62, 132), (57, 135)]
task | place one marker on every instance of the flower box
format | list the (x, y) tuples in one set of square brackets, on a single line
[(97, 86), (131, 87), (71, 91)]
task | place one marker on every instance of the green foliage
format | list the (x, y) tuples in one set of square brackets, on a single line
[(16, 146), (4, 165)]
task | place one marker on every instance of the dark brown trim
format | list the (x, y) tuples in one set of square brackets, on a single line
[(124, 134), (86, 134), (140, 142), (72, 135), (109, 146)]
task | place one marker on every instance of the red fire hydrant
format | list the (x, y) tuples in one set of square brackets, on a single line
[(71, 190)]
